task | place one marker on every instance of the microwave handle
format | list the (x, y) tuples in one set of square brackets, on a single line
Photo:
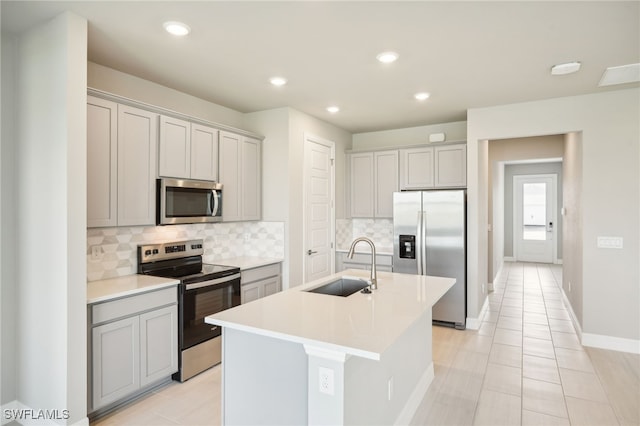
[(214, 201)]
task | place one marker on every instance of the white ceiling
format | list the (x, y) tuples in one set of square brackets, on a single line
[(466, 54)]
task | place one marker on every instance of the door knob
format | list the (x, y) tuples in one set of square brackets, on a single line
[(310, 252)]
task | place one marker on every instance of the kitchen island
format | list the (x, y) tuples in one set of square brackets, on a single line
[(299, 357)]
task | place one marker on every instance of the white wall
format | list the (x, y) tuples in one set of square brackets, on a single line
[(610, 198), (283, 175), (456, 131), (51, 230), (129, 86), (7, 224)]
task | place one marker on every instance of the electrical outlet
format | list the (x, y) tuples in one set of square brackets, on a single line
[(325, 381), (482, 288), (569, 286), (96, 252), (390, 388), (247, 237)]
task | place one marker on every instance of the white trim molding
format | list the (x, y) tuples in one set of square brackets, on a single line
[(474, 323), (601, 341), (410, 408)]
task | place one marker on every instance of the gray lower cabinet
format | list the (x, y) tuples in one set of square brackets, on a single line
[(384, 262), (133, 345), (260, 282)]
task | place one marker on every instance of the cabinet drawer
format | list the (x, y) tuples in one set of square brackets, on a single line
[(262, 272), (109, 311)]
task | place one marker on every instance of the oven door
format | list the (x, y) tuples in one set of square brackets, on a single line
[(188, 201), (201, 299)]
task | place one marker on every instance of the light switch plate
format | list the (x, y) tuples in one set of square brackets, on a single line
[(610, 242)]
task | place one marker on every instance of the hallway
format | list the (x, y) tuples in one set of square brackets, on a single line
[(525, 365)]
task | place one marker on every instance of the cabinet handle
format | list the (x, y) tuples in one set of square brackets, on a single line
[(310, 252)]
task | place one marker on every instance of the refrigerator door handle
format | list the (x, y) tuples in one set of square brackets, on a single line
[(423, 237), (419, 243)]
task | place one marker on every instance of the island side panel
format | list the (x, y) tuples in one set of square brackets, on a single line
[(264, 380), (408, 364)]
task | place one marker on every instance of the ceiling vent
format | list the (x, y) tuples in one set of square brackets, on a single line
[(620, 75)]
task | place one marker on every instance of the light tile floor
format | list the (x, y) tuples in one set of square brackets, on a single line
[(524, 366)]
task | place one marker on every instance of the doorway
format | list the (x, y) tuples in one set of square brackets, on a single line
[(534, 218), (319, 207)]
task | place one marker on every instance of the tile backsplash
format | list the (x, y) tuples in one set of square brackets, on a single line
[(116, 248), (380, 231)]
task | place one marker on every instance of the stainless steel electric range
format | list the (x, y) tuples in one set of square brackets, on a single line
[(204, 290)]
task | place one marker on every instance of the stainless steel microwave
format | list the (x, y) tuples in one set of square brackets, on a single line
[(188, 201)]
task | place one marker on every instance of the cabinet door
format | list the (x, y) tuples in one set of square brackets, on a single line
[(229, 168), (115, 360), (416, 168), (362, 193), (158, 344), (137, 148), (174, 154), (204, 152), (250, 292), (451, 166), (102, 159), (385, 182), (271, 286), (250, 179)]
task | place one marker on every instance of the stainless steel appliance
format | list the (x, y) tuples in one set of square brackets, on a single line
[(429, 238), (188, 201), (204, 290)]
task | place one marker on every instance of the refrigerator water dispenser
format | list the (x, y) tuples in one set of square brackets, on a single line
[(407, 246)]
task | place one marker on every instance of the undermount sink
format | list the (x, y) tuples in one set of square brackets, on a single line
[(341, 287)]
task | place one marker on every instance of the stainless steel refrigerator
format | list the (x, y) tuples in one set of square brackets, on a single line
[(429, 238)]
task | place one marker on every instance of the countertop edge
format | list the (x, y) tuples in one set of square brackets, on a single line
[(132, 289)]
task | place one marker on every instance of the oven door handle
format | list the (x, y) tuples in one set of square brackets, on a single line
[(209, 283)]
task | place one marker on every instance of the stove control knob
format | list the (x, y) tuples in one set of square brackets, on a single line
[(147, 253), (155, 251)]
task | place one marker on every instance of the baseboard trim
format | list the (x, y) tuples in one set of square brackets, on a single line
[(475, 323), (410, 408), (612, 343), (15, 411)]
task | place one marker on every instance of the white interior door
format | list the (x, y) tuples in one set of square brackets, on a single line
[(534, 218), (319, 178)]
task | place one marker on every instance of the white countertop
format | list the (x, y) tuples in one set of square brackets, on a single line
[(360, 325), (248, 262), (113, 288)]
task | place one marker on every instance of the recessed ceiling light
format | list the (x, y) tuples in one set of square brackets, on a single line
[(620, 75), (333, 109), (278, 81), (421, 96), (387, 57), (568, 68), (176, 28)]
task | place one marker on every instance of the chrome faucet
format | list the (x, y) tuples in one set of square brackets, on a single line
[(374, 278)]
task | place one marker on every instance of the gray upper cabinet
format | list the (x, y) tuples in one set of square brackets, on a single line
[(187, 150), (121, 164), (102, 162), (374, 179), (204, 152), (442, 166), (416, 168), (174, 155), (240, 175), (451, 166), (137, 149)]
